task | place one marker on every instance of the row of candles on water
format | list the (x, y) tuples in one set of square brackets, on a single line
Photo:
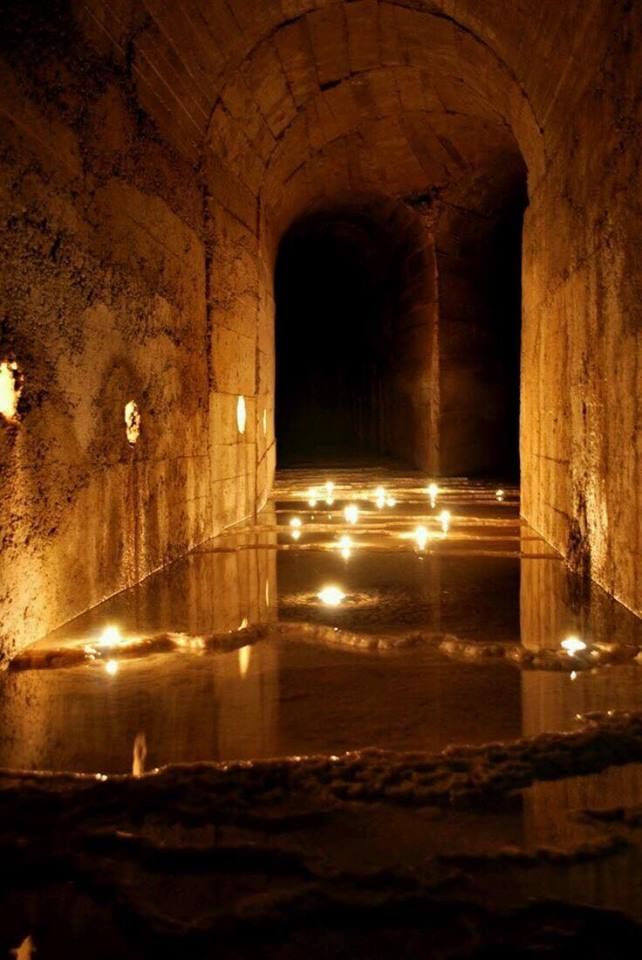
[(421, 534), (382, 499)]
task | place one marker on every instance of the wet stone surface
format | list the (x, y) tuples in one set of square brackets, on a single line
[(361, 716)]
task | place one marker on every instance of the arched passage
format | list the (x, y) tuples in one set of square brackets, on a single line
[(156, 154)]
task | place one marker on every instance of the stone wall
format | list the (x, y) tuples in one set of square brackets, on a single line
[(110, 240), (581, 445), (153, 155)]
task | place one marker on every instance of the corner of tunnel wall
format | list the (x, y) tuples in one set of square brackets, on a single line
[(581, 342)]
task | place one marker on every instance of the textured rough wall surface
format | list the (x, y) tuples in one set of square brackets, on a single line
[(107, 239), (581, 442), (153, 155)]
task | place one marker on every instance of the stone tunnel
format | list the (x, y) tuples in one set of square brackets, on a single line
[(156, 158), (249, 245)]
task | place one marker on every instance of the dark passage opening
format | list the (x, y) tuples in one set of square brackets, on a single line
[(398, 337), (337, 286)]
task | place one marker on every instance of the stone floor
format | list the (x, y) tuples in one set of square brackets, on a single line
[(413, 764)]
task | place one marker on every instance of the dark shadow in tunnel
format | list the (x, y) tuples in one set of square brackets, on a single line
[(398, 337), (337, 286)]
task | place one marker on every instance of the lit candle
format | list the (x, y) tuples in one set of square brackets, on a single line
[(421, 537), (110, 637), (351, 513), (573, 645), (432, 490), (332, 596), (444, 519)]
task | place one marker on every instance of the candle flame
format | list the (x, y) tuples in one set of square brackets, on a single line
[(422, 536), (351, 513), (433, 491), (332, 596), (132, 422), (444, 519), (573, 645), (111, 667)]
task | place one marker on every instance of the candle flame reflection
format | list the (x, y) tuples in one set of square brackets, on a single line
[(139, 755), (245, 654)]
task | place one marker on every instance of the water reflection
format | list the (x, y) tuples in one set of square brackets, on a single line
[(490, 579), (139, 755)]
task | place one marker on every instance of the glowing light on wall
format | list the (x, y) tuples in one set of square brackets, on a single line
[(382, 499), (329, 490), (573, 645), (243, 624), (296, 534), (444, 519), (351, 513), (499, 494), (111, 667), (312, 497), (433, 491), (332, 596), (10, 389), (422, 536), (132, 422), (295, 522), (241, 414)]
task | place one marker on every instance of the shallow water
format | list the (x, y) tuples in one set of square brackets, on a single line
[(493, 849), (488, 578)]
